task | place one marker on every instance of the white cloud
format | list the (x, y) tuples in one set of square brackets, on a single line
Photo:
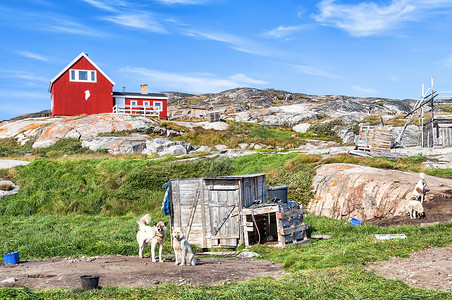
[(23, 75), (370, 18), (236, 43), (137, 20), (242, 78), (283, 31), (194, 83), (365, 91), (67, 26), (34, 56), (313, 70), (101, 5)]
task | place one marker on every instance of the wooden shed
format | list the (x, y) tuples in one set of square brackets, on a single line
[(438, 132), (230, 210)]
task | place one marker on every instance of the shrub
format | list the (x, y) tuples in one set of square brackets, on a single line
[(329, 128)]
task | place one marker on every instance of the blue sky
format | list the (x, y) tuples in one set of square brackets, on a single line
[(357, 48)]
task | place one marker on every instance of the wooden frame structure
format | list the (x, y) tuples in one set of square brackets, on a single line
[(281, 222)]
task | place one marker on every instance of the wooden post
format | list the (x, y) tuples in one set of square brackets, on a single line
[(203, 214), (280, 230)]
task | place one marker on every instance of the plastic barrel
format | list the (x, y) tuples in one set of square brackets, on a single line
[(90, 282), (279, 192), (11, 258)]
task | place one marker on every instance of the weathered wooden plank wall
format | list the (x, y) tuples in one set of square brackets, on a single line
[(210, 208)]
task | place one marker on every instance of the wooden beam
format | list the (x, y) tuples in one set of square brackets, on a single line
[(292, 229), (260, 210), (288, 214), (279, 228)]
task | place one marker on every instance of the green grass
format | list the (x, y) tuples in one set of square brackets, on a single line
[(338, 283), (72, 235), (78, 235), (268, 136), (326, 269), (99, 185), (121, 186), (89, 206)]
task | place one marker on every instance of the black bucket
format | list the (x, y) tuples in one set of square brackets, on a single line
[(279, 193), (90, 282)]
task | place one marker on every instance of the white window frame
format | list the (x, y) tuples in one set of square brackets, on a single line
[(160, 107), (146, 103), (133, 102), (76, 73)]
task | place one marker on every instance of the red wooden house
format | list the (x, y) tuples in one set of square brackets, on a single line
[(83, 88), (144, 103)]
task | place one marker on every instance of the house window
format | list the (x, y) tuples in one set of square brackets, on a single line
[(146, 103), (82, 75), (158, 105), (133, 103)]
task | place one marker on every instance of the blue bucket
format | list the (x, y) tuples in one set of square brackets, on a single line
[(11, 258), (354, 221)]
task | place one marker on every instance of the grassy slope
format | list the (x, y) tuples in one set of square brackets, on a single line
[(62, 201), (329, 269)]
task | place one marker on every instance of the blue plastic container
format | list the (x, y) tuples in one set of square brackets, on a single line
[(11, 258), (354, 221)]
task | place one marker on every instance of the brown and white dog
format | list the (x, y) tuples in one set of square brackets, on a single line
[(154, 235), (182, 250), (415, 209), (419, 189)]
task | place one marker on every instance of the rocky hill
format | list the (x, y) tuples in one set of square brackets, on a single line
[(248, 98), (277, 106), (266, 107)]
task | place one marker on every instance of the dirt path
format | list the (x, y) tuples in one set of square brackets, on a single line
[(429, 269), (132, 271)]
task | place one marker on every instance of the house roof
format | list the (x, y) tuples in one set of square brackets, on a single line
[(140, 95), (83, 54)]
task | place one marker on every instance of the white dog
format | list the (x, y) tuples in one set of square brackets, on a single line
[(154, 235), (182, 249), (419, 189), (415, 209)]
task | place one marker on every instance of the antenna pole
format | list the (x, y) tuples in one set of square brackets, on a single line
[(433, 117), (422, 120)]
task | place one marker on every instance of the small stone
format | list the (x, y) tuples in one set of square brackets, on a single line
[(9, 280)]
